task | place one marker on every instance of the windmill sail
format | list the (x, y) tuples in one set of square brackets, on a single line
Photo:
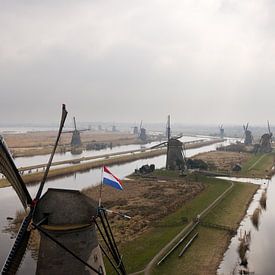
[(19, 247), (9, 170)]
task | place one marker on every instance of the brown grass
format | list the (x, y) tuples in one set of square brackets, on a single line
[(146, 201), (223, 161)]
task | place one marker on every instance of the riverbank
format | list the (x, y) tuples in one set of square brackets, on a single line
[(87, 165)]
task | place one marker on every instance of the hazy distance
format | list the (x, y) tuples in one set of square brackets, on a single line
[(203, 62)]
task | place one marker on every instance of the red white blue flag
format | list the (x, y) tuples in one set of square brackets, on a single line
[(110, 179)]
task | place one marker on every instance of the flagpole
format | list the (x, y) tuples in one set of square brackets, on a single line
[(100, 190)]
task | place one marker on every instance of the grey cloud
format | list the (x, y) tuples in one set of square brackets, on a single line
[(201, 61)]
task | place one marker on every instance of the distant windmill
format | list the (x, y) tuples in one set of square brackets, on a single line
[(142, 133), (266, 140), (221, 131), (114, 129), (135, 130), (76, 142), (248, 138)]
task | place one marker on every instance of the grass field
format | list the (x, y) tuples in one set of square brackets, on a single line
[(259, 166), (205, 253), (138, 253)]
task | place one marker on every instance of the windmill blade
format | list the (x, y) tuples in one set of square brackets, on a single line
[(268, 126), (8, 168), (246, 126), (19, 247), (140, 125), (178, 137), (243, 127), (63, 118), (159, 145), (74, 123), (18, 250)]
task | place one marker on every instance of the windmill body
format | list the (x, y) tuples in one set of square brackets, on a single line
[(221, 131), (266, 141), (76, 143), (143, 135), (135, 130), (248, 138), (69, 216), (175, 160), (76, 140)]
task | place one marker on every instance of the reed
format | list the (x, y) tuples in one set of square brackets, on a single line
[(263, 200), (255, 218), (244, 247)]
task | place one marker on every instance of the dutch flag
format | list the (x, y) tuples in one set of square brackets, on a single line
[(110, 179)]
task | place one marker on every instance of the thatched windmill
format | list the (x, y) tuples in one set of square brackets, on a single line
[(142, 133), (266, 141), (248, 138), (175, 159), (76, 143)]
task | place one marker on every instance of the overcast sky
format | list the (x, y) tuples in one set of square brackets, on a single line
[(200, 61)]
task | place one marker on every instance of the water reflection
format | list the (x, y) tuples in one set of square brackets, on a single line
[(261, 252)]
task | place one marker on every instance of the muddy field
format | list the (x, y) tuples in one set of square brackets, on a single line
[(38, 143), (222, 160)]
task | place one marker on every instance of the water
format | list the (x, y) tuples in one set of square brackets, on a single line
[(41, 159), (10, 203), (262, 249)]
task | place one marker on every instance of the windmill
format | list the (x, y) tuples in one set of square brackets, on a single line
[(135, 130), (69, 242), (248, 138), (175, 158), (265, 141), (221, 131), (114, 129), (76, 142), (76, 139), (142, 133)]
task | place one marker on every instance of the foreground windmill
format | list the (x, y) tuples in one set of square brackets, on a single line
[(66, 221), (266, 141), (248, 138)]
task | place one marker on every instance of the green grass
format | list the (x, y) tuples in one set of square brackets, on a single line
[(137, 253), (206, 251), (258, 166)]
